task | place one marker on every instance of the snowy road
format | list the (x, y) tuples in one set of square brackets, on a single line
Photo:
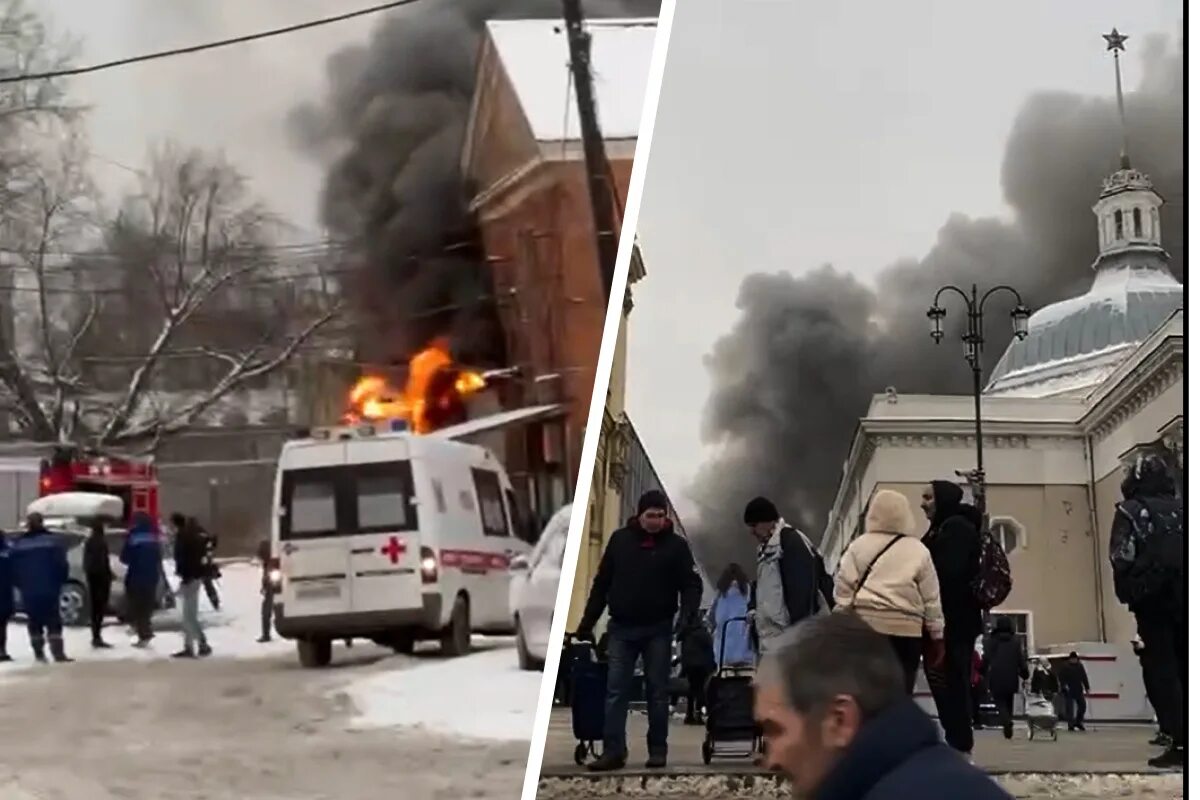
[(250, 723)]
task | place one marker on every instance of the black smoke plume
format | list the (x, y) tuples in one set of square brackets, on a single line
[(391, 125), (797, 371)]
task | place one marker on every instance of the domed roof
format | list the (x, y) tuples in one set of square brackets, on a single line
[(1073, 345)]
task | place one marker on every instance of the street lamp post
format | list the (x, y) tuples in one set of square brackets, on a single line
[(972, 342)]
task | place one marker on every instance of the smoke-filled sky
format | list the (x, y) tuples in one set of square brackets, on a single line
[(814, 179)]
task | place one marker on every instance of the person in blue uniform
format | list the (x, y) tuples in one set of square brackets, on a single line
[(142, 555), (6, 596), (39, 562)]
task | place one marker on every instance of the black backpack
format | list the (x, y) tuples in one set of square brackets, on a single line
[(1158, 566)]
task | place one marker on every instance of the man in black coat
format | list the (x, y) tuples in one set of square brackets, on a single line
[(646, 575), (1005, 665), (955, 543), (97, 566), (1075, 686)]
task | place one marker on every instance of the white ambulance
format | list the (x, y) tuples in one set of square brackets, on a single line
[(387, 536)]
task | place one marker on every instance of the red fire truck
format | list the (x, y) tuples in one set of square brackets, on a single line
[(73, 469)]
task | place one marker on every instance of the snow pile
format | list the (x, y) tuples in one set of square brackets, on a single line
[(233, 631), (481, 696)]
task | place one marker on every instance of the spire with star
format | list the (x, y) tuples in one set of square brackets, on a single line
[(1116, 45)]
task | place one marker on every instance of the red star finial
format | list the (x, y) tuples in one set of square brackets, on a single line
[(1116, 40)]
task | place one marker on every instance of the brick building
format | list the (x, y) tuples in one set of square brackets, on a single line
[(524, 163)]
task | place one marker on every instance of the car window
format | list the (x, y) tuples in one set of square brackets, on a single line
[(384, 497), (554, 533), (309, 504)]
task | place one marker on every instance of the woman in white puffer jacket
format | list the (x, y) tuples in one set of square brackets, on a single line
[(887, 578)]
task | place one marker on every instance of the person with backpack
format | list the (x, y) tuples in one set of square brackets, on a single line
[(791, 583), (1005, 664), (955, 544), (887, 577), (1146, 553)]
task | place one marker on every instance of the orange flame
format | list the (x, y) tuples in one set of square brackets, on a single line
[(373, 397)]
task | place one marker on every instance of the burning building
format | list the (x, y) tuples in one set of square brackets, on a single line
[(524, 158)]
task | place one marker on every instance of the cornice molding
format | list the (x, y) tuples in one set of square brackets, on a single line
[(1162, 368)]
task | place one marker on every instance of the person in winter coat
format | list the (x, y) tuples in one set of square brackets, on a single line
[(887, 577), (191, 568), (1146, 553), (646, 575), (1006, 666), (39, 562), (142, 557), (1044, 682), (730, 612), (97, 568), (838, 723), (212, 572), (955, 544), (267, 610), (696, 655), (6, 596), (1160, 738), (791, 583), (1075, 685)]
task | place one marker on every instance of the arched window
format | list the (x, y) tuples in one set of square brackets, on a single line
[(1120, 223), (1137, 223), (1009, 533)]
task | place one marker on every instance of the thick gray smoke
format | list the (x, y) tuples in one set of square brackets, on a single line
[(797, 371), (392, 126)]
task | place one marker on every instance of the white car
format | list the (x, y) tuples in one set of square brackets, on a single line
[(534, 589)]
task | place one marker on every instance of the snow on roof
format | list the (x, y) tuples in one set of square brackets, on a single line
[(1071, 340), (534, 55)]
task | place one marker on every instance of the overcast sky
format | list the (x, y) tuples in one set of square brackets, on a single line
[(795, 134), (234, 99)]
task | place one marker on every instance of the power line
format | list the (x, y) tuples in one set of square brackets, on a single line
[(197, 48)]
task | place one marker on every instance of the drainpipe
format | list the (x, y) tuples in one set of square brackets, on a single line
[(1095, 521)]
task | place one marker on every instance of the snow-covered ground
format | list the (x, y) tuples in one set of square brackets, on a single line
[(481, 696), (233, 631)]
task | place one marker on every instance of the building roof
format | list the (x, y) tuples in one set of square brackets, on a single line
[(534, 55), (1073, 345)]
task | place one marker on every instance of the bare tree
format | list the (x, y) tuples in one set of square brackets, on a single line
[(189, 285)]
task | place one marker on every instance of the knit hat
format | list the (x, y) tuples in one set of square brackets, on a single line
[(652, 499), (890, 512), (760, 509)]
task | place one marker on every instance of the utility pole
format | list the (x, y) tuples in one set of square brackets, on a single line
[(600, 189)]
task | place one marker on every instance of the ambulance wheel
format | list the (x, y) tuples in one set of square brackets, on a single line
[(706, 752), (404, 643), (314, 653), (456, 638)]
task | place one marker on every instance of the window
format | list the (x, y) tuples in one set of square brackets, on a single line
[(1008, 532), (1137, 223), (491, 503), (383, 497), (520, 525), (1022, 622), (309, 504), (1120, 223)]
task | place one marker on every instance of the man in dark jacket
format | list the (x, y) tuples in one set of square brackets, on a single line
[(190, 567), (837, 720), (142, 557), (97, 568), (40, 566), (1005, 665), (212, 572), (791, 582), (955, 544), (1146, 553), (1075, 686), (267, 610), (6, 596), (646, 575)]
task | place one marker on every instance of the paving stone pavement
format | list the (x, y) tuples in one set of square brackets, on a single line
[(1103, 749)]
